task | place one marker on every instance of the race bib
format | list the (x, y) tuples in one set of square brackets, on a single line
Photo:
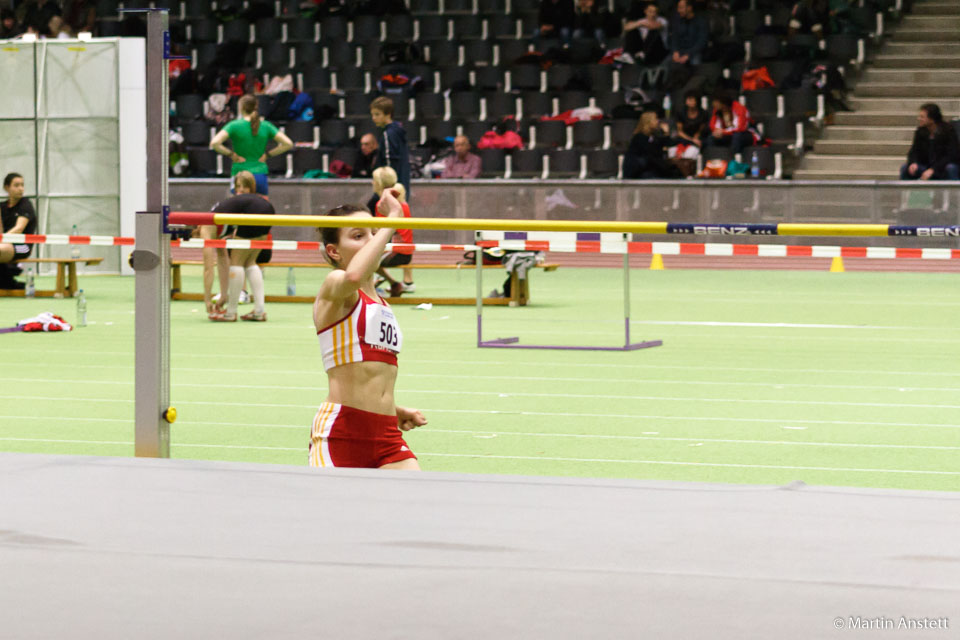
[(382, 329)]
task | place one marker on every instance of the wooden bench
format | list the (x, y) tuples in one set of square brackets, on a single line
[(66, 286), (519, 288)]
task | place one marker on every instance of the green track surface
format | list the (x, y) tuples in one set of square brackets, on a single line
[(764, 378)]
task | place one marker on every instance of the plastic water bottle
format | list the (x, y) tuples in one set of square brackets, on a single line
[(30, 289), (755, 166), (74, 250), (667, 105), (81, 309), (291, 283)]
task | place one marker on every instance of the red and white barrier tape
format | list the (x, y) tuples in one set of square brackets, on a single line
[(582, 246), (722, 249), (292, 245), (33, 238)]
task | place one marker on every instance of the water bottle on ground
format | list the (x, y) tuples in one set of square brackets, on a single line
[(74, 249), (81, 309), (755, 166), (30, 289), (291, 283)]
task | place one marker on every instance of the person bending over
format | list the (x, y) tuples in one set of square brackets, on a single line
[(244, 261), (16, 216), (386, 178), (359, 424), (934, 154)]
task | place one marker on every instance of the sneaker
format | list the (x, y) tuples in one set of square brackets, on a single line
[(221, 316), (245, 297), (253, 316), (396, 290), (378, 282), (408, 287), (495, 294)]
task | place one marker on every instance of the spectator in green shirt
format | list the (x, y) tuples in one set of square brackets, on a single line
[(249, 135)]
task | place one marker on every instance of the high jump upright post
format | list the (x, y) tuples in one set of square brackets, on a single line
[(151, 260)]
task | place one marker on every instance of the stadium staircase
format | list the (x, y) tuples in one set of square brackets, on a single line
[(920, 62)]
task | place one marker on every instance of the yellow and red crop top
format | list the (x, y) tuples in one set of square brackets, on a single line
[(368, 333)]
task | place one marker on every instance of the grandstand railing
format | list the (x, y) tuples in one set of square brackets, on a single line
[(734, 201)]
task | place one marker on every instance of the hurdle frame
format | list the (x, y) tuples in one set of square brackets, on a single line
[(513, 342)]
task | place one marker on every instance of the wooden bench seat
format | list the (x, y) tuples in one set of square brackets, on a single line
[(66, 285), (519, 288)]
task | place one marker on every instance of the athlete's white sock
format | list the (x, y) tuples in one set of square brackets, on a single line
[(236, 283), (255, 278)]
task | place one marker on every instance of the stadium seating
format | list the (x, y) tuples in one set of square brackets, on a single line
[(474, 62)]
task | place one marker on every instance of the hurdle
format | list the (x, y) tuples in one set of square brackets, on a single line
[(568, 242)]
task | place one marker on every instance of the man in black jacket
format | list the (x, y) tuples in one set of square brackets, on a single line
[(935, 153)]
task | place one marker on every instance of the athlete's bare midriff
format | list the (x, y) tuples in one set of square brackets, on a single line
[(364, 385)]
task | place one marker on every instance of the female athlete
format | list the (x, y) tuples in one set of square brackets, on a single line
[(359, 424)]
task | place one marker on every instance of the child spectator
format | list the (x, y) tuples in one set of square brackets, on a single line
[(392, 142)]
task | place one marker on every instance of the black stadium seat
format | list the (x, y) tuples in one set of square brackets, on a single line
[(564, 163), (602, 163), (527, 163), (493, 162), (305, 159)]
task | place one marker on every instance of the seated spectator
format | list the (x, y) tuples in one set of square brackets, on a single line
[(16, 216), (808, 16), (645, 33), (9, 27), (590, 21), (692, 127), (368, 157), (57, 28), (37, 14), (688, 38), (934, 154), (730, 125), (461, 164), (646, 157), (556, 20)]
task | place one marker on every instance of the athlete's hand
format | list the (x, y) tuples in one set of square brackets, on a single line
[(389, 204), (236, 157), (408, 419)]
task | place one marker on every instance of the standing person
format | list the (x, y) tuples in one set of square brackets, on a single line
[(359, 424), (392, 148), (244, 261), (249, 135), (385, 178), (934, 154), (16, 216), (461, 163), (368, 157)]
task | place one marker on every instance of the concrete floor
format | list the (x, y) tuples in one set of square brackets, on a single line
[(135, 548)]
